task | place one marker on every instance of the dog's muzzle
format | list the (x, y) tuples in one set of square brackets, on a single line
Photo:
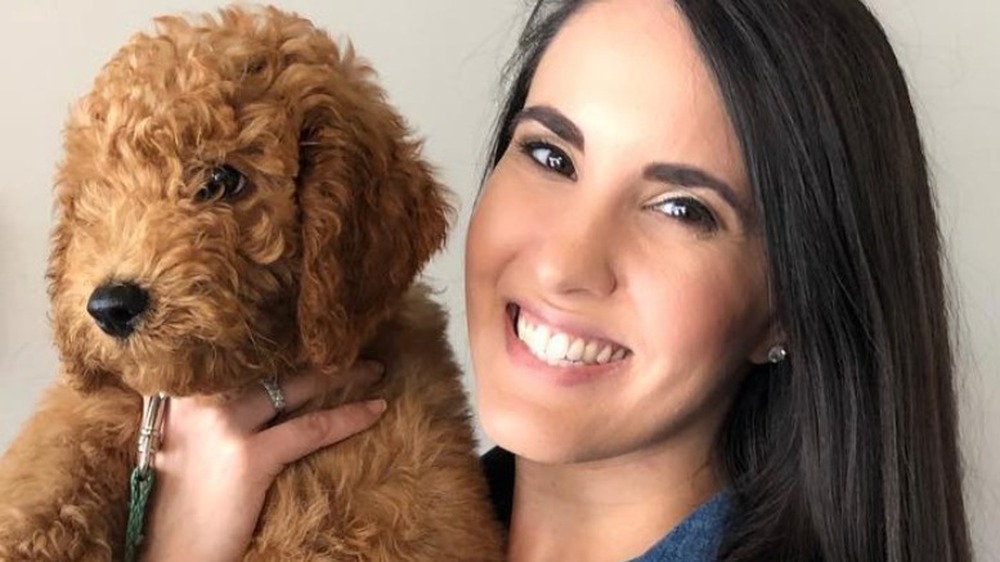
[(117, 306)]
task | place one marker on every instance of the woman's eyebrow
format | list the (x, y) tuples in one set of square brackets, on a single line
[(689, 176), (674, 174), (554, 121)]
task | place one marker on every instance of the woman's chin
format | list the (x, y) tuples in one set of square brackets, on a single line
[(531, 434)]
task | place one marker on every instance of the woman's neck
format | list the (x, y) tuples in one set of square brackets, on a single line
[(607, 510)]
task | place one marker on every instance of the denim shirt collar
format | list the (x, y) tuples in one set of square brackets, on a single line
[(697, 538)]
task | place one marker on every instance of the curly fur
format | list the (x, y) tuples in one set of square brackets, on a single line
[(314, 265)]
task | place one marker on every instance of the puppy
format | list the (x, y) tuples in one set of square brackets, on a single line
[(237, 200)]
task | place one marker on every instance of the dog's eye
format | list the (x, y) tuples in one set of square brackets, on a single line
[(225, 182)]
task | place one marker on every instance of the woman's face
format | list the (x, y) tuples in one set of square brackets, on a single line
[(615, 279)]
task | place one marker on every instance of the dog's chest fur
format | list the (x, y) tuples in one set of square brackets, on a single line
[(406, 489)]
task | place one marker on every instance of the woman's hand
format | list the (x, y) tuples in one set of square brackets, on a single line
[(217, 462)]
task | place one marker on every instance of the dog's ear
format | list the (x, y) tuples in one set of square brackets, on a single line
[(371, 212), (73, 350)]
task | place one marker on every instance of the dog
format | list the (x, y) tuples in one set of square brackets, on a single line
[(238, 188)]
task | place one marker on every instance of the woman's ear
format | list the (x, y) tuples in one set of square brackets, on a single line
[(371, 212)]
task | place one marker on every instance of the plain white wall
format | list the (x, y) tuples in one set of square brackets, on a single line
[(439, 60)]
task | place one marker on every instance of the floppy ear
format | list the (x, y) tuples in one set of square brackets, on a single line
[(371, 211), (73, 349)]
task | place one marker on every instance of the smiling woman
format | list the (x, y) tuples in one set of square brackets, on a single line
[(704, 291), (583, 231), (618, 215)]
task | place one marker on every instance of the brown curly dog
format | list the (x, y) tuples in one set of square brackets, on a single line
[(247, 201)]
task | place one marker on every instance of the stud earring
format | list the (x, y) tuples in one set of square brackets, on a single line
[(777, 354)]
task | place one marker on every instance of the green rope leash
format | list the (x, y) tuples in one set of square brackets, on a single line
[(143, 476), (142, 487)]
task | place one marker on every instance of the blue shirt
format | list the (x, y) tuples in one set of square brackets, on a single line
[(695, 539)]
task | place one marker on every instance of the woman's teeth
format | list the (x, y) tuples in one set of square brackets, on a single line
[(556, 348)]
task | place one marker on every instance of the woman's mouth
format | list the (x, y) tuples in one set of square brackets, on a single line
[(560, 348)]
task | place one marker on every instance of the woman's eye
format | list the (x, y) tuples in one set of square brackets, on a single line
[(549, 157), (224, 182), (690, 211)]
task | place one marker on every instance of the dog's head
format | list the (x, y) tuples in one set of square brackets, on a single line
[(236, 198)]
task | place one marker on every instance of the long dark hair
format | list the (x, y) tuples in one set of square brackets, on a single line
[(846, 451)]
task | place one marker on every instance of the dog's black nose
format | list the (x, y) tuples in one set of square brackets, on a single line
[(116, 307)]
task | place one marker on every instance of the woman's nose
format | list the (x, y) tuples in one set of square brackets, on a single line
[(577, 255)]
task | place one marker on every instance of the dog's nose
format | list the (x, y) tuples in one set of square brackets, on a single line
[(116, 306)]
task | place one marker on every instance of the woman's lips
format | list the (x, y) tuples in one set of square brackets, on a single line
[(558, 354)]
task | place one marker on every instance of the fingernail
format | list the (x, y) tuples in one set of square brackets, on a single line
[(376, 406)]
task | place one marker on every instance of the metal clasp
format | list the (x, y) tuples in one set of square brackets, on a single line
[(151, 430)]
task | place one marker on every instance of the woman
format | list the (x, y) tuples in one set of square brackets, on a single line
[(705, 304)]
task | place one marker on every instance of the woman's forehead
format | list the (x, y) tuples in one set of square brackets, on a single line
[(641, 50), (631, 70)]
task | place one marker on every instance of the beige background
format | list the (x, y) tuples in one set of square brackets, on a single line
[(440, 59)]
